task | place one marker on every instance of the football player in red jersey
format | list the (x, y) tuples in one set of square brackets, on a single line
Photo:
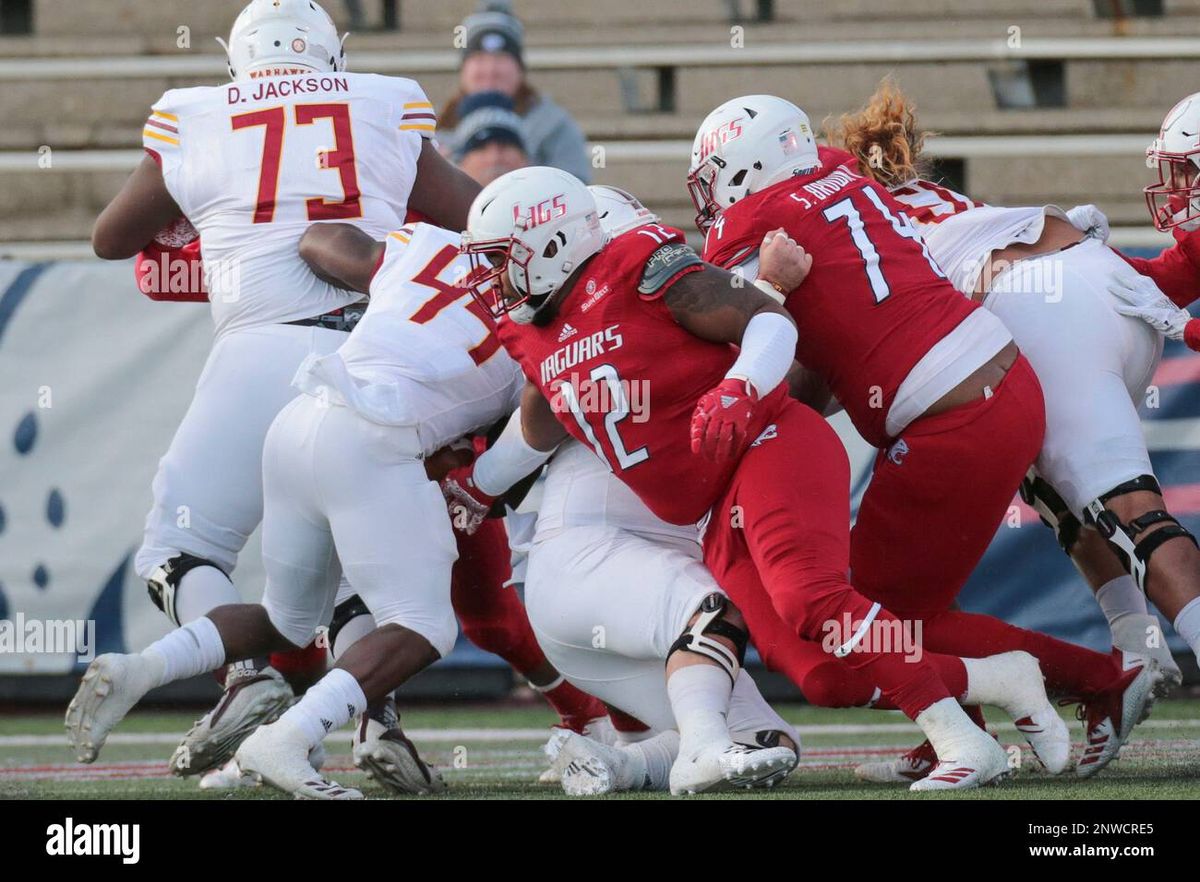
[(593, 324), (927, 376)]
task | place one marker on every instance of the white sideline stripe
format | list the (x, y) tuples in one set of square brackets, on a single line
[(490, 735), (211, 66), (1172, 434)]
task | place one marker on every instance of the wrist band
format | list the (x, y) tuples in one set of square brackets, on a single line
[(770, 290)]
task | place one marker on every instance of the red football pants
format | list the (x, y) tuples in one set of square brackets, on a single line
[(778, 542)]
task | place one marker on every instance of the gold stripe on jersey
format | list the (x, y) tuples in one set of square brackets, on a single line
[(147, 133)]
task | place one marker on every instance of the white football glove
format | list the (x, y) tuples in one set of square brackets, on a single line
[(1138, 297), (1091, 220)]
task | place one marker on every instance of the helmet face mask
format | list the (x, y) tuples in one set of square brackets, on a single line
[(700, 181), (529, 230), (491, 261), (1174, 199)]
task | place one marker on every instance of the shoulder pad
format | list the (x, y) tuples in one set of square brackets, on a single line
[(664, 264)]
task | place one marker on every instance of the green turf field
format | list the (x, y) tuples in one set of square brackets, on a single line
[(489, 751)]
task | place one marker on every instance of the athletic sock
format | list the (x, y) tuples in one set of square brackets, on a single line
[(699, 696), (187, 651), (1120, 597), (200, 591), (330, 704), (1187, 626), (656, 755)]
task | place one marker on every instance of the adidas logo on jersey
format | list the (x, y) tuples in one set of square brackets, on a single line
[(568, 331)]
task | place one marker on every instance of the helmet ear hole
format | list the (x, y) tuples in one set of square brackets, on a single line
[(736, 180)]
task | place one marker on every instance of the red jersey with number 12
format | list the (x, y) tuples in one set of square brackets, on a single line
[(874, 302), (624, 378)]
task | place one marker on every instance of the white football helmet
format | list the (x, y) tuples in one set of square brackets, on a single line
[(539, 224), (743, 146), (1174, 199), (273, 37), (620, 211)]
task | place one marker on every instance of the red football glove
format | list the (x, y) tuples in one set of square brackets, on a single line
[(171, 272), (468, 505), (721, 418)]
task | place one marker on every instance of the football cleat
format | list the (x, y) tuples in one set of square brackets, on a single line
[(1132, 633), (598, 729), (1032, 712), (382, 750), (766, 739), (909, 767), (252, 697), (278, 754), (722, 767), (1109, 718), (587, 767), (111, 686), (230, 777), (981, 761)]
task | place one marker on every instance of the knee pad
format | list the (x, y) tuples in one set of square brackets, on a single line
[(711, 620), (350, 608), (164, 581), (1123, 538), (1053, 511)]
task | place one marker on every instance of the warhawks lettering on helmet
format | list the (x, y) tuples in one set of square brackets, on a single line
[(578, 351), (544, 211)]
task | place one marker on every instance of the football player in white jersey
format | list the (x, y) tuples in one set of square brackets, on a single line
[(609, 588), (346, 492), (251, 165), (1060, 290)]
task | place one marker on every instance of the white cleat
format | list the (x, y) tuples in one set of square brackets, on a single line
[(230, 777), (765, 739), (722, 767), (909, 767), (587, 767), (1141, 640), (278, 753), (981, 761), (1032, 712), (1109, 718), (598, 729), (252, 698), (382, 750), (111, 686)]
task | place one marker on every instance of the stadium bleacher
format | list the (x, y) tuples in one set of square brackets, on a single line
[(1086, 91)]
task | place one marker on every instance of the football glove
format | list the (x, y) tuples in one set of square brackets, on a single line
[(1140, 298), (721, 419), (468, 505)]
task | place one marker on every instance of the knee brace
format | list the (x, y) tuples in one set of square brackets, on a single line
[(711, 621), (1133, 554), (164, 581), (350, 608), (1051, 508)]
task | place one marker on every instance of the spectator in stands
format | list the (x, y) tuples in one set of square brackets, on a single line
[(490, 140), (492, 61)]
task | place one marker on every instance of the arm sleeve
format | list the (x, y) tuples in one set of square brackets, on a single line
[(413, 111), (1176, 270), (509, 460)]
